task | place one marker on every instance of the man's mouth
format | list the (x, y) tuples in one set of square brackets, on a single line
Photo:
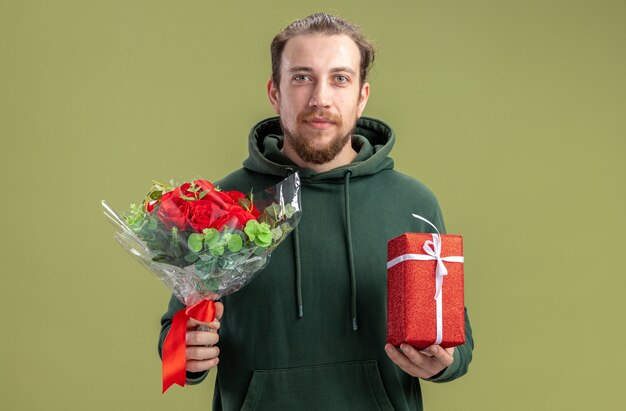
[(320, 120), (320, 123)]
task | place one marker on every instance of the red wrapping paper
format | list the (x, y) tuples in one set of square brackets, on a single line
[(411, 306)]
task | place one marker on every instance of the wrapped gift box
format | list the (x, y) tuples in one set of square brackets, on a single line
[(411, 282)]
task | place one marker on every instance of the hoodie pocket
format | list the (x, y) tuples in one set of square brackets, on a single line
[(356, 385)]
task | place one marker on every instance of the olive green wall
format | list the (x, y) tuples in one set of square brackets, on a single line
[(511, 111)]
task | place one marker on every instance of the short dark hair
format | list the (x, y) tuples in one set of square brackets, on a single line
[(325, 24)]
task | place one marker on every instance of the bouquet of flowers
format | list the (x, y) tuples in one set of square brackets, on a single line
[(201, 241), (204, 243)]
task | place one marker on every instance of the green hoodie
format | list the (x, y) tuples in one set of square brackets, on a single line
[(309, 331)]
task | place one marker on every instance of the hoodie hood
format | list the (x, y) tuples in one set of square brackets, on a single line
[(373, 140)]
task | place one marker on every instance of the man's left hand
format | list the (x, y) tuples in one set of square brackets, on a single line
[(422, 364)]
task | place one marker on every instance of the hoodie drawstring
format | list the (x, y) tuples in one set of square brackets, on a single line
[(296, 246), (296, 256), (346, 192)]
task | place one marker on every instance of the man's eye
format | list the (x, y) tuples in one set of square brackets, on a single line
[(341, 79), (301, 78)]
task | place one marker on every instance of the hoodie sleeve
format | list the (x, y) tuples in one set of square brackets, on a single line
[(166, 322), (463, 353)]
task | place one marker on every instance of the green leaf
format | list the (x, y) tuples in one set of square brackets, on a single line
[(195, 241), (202, 194), (217, 249), (245, 204), (136, 226), (205, 267), (263, 239), (211, 235), (161, 258), (191, 257), (263, 236), (235, 243), (274, 210), (157, 190), (265, 218), (153, 223), (135, 219), (174, 241), (193, 188), (277, 233), (290, 210), (251, 229)]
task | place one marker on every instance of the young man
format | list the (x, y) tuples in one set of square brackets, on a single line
[(309, 332)]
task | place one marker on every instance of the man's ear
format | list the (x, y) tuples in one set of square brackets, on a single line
[(363, 96), (273, 95)]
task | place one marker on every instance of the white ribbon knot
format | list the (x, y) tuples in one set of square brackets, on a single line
[(433, 252)]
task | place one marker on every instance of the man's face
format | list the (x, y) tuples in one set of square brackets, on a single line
[(320, 97)]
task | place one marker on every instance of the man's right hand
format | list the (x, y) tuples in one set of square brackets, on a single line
[(202, 354)]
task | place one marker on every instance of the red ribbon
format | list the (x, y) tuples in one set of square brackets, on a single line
[(174, 353)]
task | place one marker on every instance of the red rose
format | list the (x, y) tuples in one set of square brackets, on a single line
[(205, 185), (225, 221), (150, 205), (204, 208), (184, 190), (204, 214), (172, 211), (236, 196), (200, 187), (235, 219), (220, 198)]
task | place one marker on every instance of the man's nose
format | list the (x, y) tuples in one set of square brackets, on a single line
[(321, 96)]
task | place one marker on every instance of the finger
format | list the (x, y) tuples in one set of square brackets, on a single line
[(400, 360), (413, 362), (443, 356), (197, 366), (202, 353), (426, 352), (202, 338), (416, 357), (219, 310), (193, 324)]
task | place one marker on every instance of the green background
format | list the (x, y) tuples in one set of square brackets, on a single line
[(512, 112)]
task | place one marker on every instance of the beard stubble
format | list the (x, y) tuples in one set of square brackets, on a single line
[(303, 147)]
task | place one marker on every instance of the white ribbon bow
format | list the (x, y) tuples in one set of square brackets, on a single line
[(433, 252)]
